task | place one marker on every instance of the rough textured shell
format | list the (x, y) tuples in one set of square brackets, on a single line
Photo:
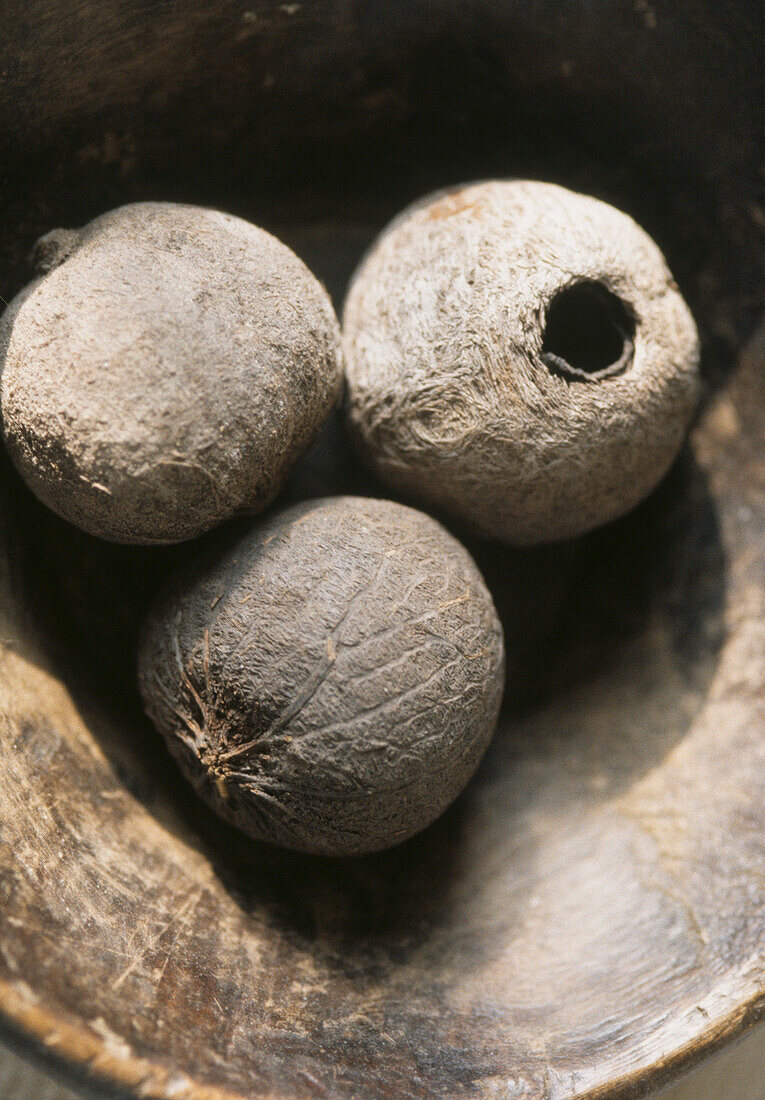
[(166, 371), (448, 396), (331, 682)]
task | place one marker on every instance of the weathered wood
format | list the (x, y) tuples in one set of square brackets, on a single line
[(590, 916)]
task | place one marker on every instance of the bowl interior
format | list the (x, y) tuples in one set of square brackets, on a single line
[(588, 917)]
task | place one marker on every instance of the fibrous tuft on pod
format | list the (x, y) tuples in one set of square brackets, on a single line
[(330, 681)]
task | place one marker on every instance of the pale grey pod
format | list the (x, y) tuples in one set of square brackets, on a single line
[(330, 681), (165, 371), (519, 356)]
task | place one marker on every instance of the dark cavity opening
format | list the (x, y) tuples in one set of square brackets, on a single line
[(589, 333)]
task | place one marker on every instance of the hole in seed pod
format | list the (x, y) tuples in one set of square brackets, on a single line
[(588, 334)]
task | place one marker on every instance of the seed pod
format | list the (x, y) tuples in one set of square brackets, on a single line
[(331, 681), (165, 371), (520, 357)]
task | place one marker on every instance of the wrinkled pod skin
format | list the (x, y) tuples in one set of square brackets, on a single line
[(164, 371), (519, 357), (330, 681)]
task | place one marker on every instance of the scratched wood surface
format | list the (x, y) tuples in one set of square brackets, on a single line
[(735, 1071), (590, 916)]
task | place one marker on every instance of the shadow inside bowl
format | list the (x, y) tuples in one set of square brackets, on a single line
[(612, 641)]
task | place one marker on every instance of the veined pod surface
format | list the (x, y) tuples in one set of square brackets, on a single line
[(330, 681)]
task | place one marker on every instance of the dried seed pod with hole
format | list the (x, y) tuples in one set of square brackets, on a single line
[(520, 357), (331, 680), (165, 371)]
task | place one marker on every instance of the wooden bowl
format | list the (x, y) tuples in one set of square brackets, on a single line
[(589, 918)]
